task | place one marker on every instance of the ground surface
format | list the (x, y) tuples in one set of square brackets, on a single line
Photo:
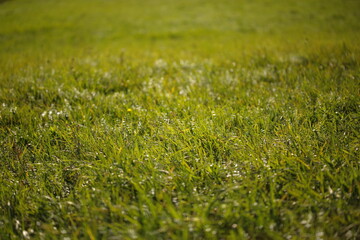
[(179, 119)]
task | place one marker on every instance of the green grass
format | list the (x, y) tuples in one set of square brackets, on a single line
[(179, 119)]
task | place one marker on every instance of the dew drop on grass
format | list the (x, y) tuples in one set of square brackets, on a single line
[(26, 234)]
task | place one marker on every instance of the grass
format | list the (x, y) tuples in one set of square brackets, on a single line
[(179, 120)]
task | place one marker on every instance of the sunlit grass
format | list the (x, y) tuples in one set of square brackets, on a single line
[(189, 120)]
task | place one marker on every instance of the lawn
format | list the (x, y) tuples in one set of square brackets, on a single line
[(183, 119)]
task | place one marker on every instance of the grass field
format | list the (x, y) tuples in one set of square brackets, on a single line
[(183, 119)]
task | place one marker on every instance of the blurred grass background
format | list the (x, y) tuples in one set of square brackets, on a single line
[(206, 28)]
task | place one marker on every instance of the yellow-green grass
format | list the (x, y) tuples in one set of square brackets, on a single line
[(179, 119)]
